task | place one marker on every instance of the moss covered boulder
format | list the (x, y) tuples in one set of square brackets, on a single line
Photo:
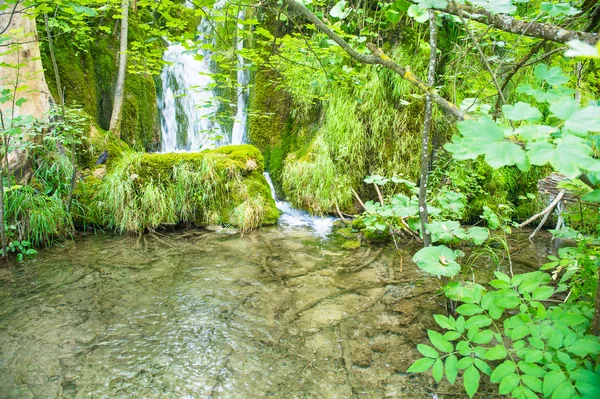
[(142, 191)]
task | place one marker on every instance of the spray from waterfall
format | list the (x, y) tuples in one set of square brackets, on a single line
[(238, 134)]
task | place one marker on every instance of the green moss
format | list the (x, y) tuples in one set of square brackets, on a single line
[(140, 126), (346, 232), (376, 236), (351, 245), (222, 186)]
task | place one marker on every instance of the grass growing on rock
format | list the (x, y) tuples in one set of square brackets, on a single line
[(223, 186)]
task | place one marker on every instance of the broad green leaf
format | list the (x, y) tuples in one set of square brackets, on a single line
[(584, 347), (593, 196), (556, 339), (428, 351), (530, 133), (554, 10), (483, 337), (565, 108), (504, 153), (502, 276), (531, 369), (483, 366), (534, 383), (478, 321), (439, 261), (496, 353), (522, 112), (551, 381), (563, 391), (393, 16), (451, 368), (469, 309), (478, 235), (339, 10), (502, 371), (443, 322), (508, 300), (464, 363), (433, 3), (471, 380), (553, 76), (542, 293), (584, 120), (508, 383), (438, 370), (439, 341), (540, 152), (421, 365), (417, 13)]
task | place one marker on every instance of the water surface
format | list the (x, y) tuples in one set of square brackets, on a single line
[(274, 314)]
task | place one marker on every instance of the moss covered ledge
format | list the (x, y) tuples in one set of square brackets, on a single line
[(144, 191)]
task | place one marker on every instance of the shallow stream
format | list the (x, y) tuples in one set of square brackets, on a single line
[(279, 313)]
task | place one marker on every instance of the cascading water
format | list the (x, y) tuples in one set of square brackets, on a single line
[(292, 217), (188, 101), (238, 134)]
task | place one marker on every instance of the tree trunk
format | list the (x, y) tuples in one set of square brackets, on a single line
[(115, 120), (596, 320), (424, 175), (22, 66)]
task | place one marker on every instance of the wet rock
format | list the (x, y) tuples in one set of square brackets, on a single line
[(361, 353)]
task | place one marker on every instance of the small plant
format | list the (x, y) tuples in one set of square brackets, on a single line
[(508, 334), (22, 249)]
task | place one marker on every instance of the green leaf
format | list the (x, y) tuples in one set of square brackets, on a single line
[(439, 261), (542, 293), (443, 322), (584, 347), (433, 4), (392, 16), (508, 383), (564, 108), (438, 370), (417, 13), (483, 366), (508, 300), (464, 291), (428, 351), (554, 10), (478, 235), (478, 321), (593, 196), (439, 341), (421, 365), (552, 380), (499, 284), (469, 309), (533, 383), (464, 363), (522, 112), (531, 369), (20, 102), (451, 368), (471, 380), (552, 76), (483, 337), (496, 353), (556, 339), (504, 153), (339, 10), (563, 391), (502, 371), (477, 136), (585, 120)]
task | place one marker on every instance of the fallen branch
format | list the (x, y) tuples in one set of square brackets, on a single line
[(548, 209)]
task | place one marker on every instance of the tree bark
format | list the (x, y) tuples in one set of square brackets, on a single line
[(424, 175), (115, 120), (596, 321), (512, 25)]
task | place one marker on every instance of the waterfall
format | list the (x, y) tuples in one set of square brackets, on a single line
[(188, 102), (292, 217), (238, 134)]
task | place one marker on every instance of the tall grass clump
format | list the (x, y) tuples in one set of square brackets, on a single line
[(141, 193), (314, 183), (35, 217)]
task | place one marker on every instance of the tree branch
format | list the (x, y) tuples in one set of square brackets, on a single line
[(512, 25), (377, 58)]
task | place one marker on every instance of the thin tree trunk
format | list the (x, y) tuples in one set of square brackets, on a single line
[(115, 120), (596, 320), (423, 214), (2, 223)]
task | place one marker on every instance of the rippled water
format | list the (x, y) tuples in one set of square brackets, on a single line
[(277, 313)]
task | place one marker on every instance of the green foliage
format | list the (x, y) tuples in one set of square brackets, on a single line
[(22, 249), (539, 350)]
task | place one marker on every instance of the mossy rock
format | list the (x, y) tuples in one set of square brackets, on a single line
[(351, 244), (223, 186), (376, 236), (347, 232)]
